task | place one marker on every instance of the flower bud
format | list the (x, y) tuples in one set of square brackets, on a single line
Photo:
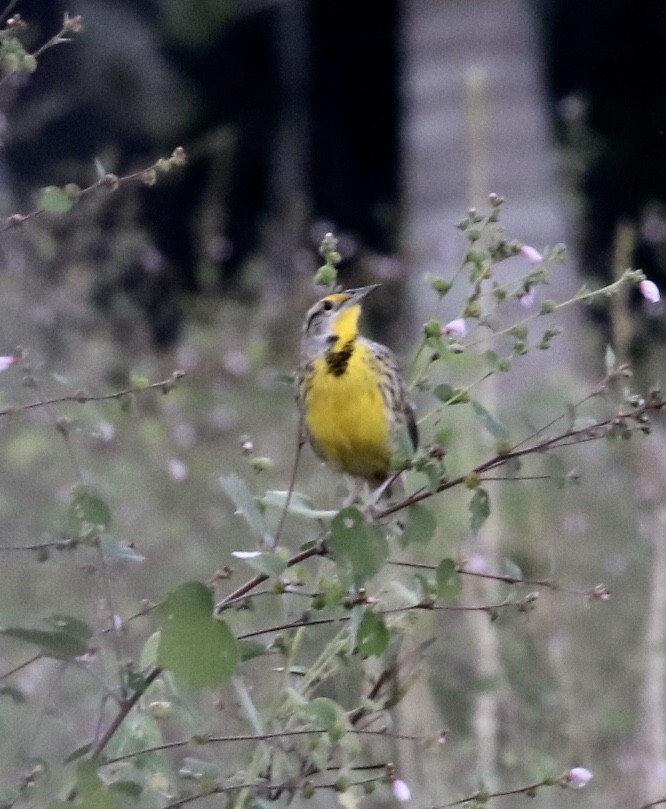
[(531, 254), (179, 156), (401, 790), (576, 777), (455, 327), (649, 290), (433, 328), (326, 276)]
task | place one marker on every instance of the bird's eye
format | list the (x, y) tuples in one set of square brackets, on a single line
[(331, 339), (327, 306)]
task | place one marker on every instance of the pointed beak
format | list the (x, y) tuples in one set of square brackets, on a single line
[(358, 294)]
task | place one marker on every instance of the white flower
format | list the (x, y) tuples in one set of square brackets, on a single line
[(455, 327), (531, 254), (401, 790), (577, 777), (7, 362), (650, 291), (527, 299)]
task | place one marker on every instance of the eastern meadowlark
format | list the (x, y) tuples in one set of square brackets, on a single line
[(351, 394)]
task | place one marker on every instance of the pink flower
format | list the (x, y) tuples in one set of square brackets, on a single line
[(577, 777), (456, 327), (401, 790), (527, 299), (650, 291), (178, 470), (7, 362), (531, 254)]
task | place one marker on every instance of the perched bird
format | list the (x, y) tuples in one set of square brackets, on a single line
[(351, 394)]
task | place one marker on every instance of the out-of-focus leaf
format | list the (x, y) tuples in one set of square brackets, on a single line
[(70, 625), (443, 392), (251, 648), (324, 714), (420, 526), (79, 752), (13, 693), (490, 423), (60, 644), (54, 199), (479, 508), (149, 651), (359, 549), (372, 637), (300, 504), (246, 506), (449, 580), (93, 793), (194, 645), (270, 564), (87, 512)]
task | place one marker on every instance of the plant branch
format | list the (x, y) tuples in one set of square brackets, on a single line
[(80, 397)]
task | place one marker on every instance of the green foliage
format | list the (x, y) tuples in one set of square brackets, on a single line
[(195, 646), (359, 549)]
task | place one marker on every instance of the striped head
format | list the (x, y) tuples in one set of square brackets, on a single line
[(333, 322)]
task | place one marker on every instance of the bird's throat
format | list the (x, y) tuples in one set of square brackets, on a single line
[(337, 361)]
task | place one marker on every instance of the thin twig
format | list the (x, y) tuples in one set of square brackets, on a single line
[(251, 737), (82, 398), (292, 481), (486, 796), (20, 667)]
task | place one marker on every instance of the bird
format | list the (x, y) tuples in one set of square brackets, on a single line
[(351, 393)]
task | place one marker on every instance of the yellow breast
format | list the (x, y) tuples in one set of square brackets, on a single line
[(347, 417)]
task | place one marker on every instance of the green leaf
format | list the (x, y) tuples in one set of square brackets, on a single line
[(148, 657), (138, 380), (55, 200), (444, 392), (490, 423), (372, 637), (15, 694), (420, 526), (87, 513), (300, 505), (324, 714), (270, 564), (70, 625), (479, 507), (79, 752), (246, 506), (194, 645), (60, 645), (139, 731), (93, 793), (449, 580), (359, 549), (249, 649)]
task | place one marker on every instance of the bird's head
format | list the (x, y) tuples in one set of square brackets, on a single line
[(333, 320)]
